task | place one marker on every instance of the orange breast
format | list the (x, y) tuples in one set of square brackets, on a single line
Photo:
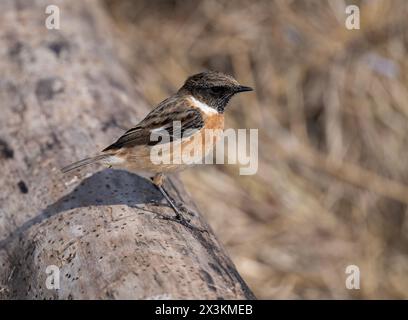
[(215, 121), (206, 139)]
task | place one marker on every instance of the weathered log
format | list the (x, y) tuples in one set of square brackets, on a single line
[(62, 95)]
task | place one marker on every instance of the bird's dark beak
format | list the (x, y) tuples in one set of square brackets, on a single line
[(243, 89)]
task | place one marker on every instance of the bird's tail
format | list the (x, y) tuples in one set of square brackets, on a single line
[(85, 162)]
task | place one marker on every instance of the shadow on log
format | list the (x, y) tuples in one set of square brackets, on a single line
[(62, 95)]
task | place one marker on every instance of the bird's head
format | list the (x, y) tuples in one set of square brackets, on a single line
[(213, 88)]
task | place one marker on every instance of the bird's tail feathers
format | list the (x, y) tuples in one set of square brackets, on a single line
[(85, 162)]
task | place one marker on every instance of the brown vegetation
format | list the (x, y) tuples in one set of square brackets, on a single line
[(331, 106)]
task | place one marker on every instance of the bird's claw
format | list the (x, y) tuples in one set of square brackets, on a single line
[(182, 207)]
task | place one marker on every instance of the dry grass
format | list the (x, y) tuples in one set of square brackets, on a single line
[(331, 106)]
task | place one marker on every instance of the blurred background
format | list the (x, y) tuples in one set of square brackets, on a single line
[(331, 106)]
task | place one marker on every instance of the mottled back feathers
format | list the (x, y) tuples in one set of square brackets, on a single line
[(175, 108)]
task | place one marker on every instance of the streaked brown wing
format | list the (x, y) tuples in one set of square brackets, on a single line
[(162, 117)]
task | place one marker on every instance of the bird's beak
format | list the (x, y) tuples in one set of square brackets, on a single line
[(243, 89)]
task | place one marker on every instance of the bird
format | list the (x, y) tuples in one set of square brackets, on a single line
[(197, 107)]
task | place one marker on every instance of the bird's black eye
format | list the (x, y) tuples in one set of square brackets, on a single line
[(217, 90)]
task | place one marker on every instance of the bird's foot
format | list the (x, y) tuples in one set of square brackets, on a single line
[(178, 218), (183, 208), (180, 211)]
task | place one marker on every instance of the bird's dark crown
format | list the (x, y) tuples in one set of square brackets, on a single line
[(213, 88)]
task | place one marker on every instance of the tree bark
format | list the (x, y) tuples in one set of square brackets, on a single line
[(62, 95)]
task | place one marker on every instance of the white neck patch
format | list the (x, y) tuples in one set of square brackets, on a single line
[(203, 106)]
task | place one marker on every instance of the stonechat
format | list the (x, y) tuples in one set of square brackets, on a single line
[(197, 106)]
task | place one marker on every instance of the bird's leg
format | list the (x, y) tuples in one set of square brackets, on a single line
[(158, 181)]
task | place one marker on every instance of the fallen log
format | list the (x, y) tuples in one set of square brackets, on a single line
[(96, 234)]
